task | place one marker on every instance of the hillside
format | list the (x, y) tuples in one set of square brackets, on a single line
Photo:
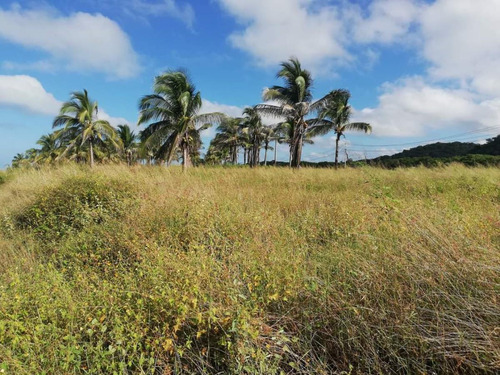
[(147, 270), (437, 150), (448, 149)]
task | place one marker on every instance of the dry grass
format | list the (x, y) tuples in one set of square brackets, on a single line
[(254, 271)]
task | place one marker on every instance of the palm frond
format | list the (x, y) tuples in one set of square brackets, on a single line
[(359, 126)]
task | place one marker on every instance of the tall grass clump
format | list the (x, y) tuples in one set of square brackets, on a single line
[(263, 271)]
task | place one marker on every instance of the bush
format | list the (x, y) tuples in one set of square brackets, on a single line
[(75, 203)]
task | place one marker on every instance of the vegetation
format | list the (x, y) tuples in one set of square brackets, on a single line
[(471, 160), (174, 108), (174, 126), (81, 127), (491, 147), (150, 270), (335, 115), (437, 154), (129, 142), (294, 105)]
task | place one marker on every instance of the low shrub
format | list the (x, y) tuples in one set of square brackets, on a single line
[(74, 204)]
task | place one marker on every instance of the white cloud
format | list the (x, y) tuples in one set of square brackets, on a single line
[(320, 34), (230, 110), (114, 121), (462, 42), (28, 94), (80, 41), (413, 107), (185, 12), (274, 30), (40, 66), (209, 107), (387, 21)]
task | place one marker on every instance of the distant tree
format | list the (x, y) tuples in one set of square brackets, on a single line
[(129, 141), (252, 125), (174, 109), (51, 148), (491, 147), (229, 138), (294, 104), (78, 117), (334, 115)]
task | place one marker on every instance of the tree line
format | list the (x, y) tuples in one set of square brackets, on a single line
[(173, 126)]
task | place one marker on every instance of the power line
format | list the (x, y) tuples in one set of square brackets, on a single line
[(468, 139), (486, 129), (466, 136)]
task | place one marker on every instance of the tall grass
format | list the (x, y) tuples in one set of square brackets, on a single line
[(263, 271)]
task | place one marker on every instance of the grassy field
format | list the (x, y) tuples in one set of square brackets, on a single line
[(265, 271)]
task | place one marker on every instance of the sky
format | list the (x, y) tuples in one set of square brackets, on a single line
[(418, 71)]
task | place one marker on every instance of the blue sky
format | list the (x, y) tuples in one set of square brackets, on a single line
[(417, 70)]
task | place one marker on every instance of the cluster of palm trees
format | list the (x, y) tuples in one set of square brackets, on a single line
[(173, 126)]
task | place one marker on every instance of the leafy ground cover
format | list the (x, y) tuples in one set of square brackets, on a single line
[(148, 270)]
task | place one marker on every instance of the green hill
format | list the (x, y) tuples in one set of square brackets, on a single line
[(437, 150)]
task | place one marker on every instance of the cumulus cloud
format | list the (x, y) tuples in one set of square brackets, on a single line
[(209, 107), (461, 39), (27, 93), (387, 20), (461, 42), (277, 29), (413, 107), (114, 121), (318, 33), (80, 41), (184, 12), (230, 110), (45, 66)]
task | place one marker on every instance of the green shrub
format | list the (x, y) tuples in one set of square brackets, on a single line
[(74, 204)]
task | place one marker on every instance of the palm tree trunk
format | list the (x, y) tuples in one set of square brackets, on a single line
[(298, 139), (297, 155), (337, 151), (91, 153), (265, 155), (275, 151), (235, 155), (255, 155), (184, 158)]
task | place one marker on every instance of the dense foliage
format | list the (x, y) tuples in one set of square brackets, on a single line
[(174, 123), (450, 149)]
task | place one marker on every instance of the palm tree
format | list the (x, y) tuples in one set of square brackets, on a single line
[(335, 115), (129, 141), (19, 160), (252, 124), (81, 125), (284, 134), (268, 133), (51, 147), (195, 143), (294, 104), (174, 109), (228, 136)]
